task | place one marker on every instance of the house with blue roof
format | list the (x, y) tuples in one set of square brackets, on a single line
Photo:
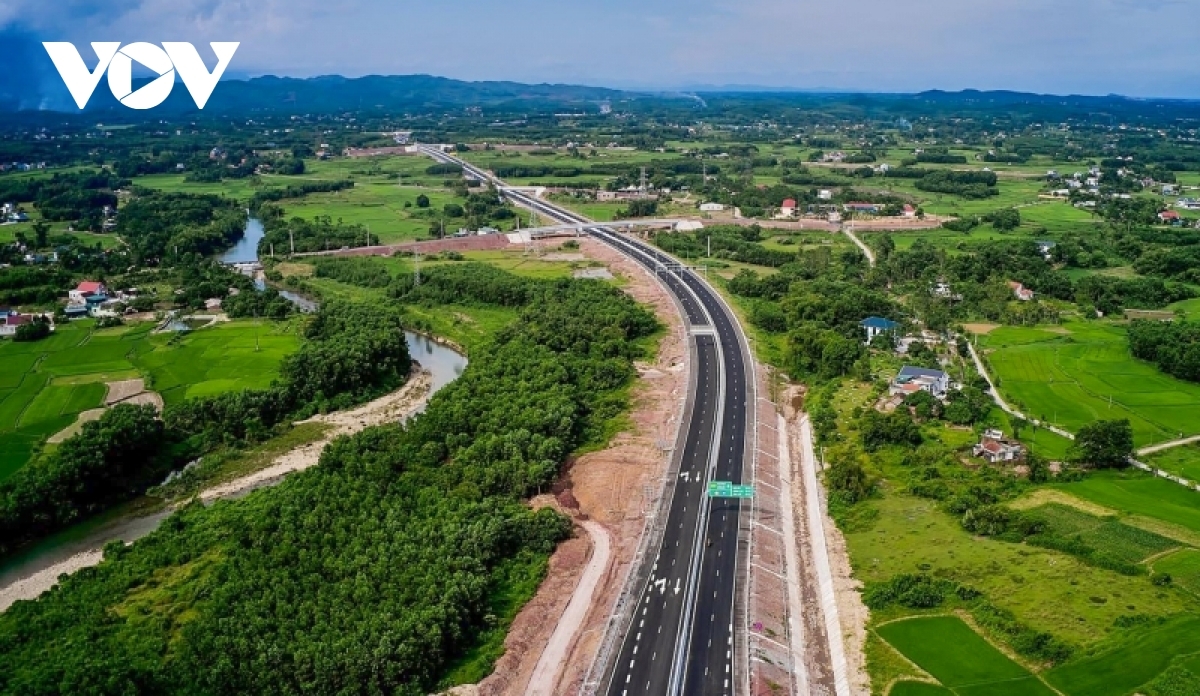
[(875, 326), (911, 379)]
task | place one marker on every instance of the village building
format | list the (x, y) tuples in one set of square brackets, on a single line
[(875, 326), (1021, 292), (912, 379), (711, 207), (996, 449), (89, 291)]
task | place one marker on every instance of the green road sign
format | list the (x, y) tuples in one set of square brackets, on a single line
[(729, 489)]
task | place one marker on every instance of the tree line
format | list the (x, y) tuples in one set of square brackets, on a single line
[(373, 572)]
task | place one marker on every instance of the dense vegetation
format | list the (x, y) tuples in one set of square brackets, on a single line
[(1172, 346), (158, 225), (371, 573), (109, 460)]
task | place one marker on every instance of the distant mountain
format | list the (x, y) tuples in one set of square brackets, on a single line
[(334, 93)]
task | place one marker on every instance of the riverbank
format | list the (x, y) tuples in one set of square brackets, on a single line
[(42, 573)]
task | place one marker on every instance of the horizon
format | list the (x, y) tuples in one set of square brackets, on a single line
[(859, 47)]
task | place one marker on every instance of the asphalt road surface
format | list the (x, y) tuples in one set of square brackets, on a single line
[(681, 637)]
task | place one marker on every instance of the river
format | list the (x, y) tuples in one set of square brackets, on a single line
[(246, 250), (86, 539)]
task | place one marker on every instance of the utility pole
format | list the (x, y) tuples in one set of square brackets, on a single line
[(272, 249), (416, 267), (643, 179), (292, 242), (709, 254)]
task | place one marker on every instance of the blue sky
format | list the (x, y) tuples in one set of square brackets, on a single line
[(1133, 47)]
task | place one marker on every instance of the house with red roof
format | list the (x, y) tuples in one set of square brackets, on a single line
[(1169, 217), (89, 291), (909, 211), (787, 209), (1021, 292)]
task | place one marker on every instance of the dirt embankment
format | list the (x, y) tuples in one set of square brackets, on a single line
[(614, 488), (389, 408)]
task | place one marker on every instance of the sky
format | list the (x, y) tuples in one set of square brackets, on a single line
[(1140, 48)]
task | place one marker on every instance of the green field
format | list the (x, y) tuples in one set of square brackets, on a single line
[(1182, 461), (1107, 535), (1184, 568), (1082, 371), (959, 658), (915, 688), (1132, 663), (46, 384), (1138, 493), (1048, 590)]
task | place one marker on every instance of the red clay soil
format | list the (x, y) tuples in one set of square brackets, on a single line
[(615, 487)]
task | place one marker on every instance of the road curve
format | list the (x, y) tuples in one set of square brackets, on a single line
[(680, 637)]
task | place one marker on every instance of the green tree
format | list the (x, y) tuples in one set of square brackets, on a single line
[(1103, 444), (422, 201), (41, 233)]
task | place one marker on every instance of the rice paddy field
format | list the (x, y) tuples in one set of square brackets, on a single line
[(1128, 665), (1073, 374), (959, 658), (1182, 461), (46, 384), (1137, 493)]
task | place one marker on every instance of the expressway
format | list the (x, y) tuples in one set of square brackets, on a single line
[(679, 640)]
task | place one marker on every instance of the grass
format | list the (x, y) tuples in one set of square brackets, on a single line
[(1138, 493), (47, 383), (1182, 461), (226, 357), (958, 657), (915, 688), (1108, 536), (1081, 372), (1184, 568), (1130, 664), (1048, 590)]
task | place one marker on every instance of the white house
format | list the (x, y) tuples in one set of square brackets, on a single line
[(913, 379), (825, 195), (711, 207), (874, 326), (995, 448), (88, 289)]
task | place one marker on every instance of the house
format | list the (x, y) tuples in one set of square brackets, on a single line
[(995, 448), (788, 208), (6, 311), (1021, 292), (89, 291), (711, 207), (912, 379), (825, 194), (1188, 203), (10, 322), (943, 289), (860, 207), (1045, 246), (1169, 217), (1168, 189), (909, 211), (688, 226), (76, 310), (875, 326), (212, 303)]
